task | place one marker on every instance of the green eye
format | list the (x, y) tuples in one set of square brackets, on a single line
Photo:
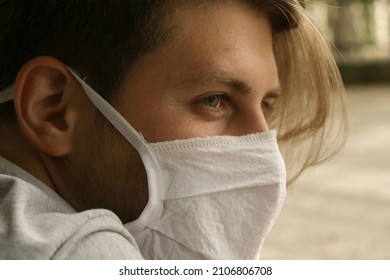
[(212, 101)]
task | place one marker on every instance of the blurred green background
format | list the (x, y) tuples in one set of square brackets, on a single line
[(360, 34)]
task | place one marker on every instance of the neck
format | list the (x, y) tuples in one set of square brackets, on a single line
[(16, 149)]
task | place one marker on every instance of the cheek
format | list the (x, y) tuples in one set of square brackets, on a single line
[(181, 127), (166, 116), (162, 116), (170, 122), (166, 125)]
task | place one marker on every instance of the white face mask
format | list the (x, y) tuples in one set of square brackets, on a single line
[(220, 196), (209, 198)]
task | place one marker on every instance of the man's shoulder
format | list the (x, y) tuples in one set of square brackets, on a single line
[(33, 225)]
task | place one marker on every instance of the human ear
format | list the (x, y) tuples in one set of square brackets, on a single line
[(44, 105)]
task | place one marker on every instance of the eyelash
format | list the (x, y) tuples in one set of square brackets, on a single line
[(266, 107), (222, 98)]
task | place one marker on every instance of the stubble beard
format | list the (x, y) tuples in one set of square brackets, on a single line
[(113, 177)]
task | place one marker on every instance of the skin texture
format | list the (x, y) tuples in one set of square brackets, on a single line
[(219, 77), (224, 51)]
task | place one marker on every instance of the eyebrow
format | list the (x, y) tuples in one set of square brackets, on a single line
[(217, 78)]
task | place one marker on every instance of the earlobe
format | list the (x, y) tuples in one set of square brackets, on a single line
[(42, 105)]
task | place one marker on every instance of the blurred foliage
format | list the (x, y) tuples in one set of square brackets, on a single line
[(359, 29)]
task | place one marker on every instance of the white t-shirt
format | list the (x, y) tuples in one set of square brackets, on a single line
[(36, 223)]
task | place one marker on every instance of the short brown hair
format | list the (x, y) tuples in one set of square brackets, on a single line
[(102, 40)]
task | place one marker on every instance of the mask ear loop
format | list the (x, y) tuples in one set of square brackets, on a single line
[(116, 119), (154, 207), (7, 94)]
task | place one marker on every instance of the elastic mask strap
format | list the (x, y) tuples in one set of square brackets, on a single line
[(117, 120), (153, 209), (7, 95), (112, 115)]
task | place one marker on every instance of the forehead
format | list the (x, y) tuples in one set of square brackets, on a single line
[(221, 26), (226, 38)]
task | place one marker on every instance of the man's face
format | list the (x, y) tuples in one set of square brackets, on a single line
[(218, 77)]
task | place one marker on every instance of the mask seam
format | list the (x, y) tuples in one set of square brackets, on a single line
[(208, 142)]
